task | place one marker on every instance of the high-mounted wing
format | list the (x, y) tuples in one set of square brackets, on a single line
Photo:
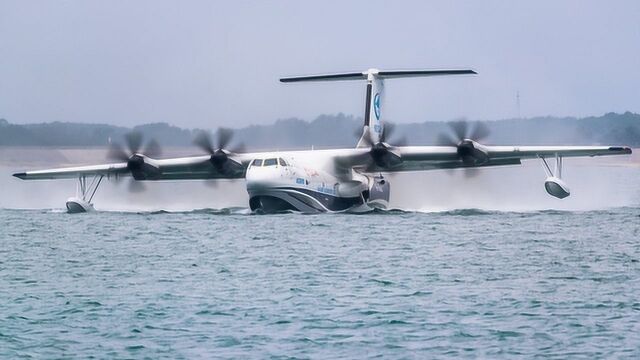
[(145, 168), (392, 159), (107, 170), (473, 154), (221, 163), (458, 149)]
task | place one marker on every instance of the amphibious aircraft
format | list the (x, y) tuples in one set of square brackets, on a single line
[(333, 180)]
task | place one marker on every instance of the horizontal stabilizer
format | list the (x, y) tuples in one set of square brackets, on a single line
[(381, 74), (419, 73), (326, 77)]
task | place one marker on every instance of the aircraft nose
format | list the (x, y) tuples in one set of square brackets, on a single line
[(258, 178)]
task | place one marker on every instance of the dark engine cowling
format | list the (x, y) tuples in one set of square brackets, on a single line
[(472, 153), (143, 168)]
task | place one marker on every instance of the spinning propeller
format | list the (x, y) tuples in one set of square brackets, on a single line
[(137, 161), (221, 157), (381, 154), (465, 139)]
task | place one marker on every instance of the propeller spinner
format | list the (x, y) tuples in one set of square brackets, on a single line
[(221, 157), (465, 138), (381, 154), (137, 161)]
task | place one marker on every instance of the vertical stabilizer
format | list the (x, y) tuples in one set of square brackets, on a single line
[(374, 97), (373, 124)]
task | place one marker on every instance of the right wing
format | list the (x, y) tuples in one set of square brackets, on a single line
[(420, 158)]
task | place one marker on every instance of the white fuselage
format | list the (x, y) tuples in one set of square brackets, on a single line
[(278, 181)]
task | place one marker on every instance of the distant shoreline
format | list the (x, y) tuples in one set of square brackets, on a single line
[(331, 131)]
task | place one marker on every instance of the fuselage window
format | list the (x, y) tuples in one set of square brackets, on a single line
[(281, 162), (257, 162), (270, 162)]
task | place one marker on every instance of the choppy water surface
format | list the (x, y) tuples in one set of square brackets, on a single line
[(204, 284)]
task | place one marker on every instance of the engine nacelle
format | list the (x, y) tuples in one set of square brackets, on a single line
[(556, 187), (472, 153), (143, 168)]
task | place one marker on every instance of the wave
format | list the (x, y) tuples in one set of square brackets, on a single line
[(485, 212), (374, 212), (207, 211)]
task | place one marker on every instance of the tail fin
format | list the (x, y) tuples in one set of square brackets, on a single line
[(373, 125)]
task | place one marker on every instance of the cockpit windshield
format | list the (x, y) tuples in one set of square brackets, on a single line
[(270, 162)]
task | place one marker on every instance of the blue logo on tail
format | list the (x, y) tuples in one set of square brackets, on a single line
[(376, 105)]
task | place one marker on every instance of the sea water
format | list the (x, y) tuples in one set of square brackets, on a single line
[(230, 284)]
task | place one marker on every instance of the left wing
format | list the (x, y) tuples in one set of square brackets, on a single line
[(421, 158), (117, 169), (145, 168)]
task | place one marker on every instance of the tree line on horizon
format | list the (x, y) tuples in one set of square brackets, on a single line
[(338, 130)]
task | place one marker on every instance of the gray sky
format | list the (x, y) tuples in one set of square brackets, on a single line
[(209, 64)]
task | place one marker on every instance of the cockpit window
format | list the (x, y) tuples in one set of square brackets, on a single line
[(257, 162), (282, 162), (270, 162)]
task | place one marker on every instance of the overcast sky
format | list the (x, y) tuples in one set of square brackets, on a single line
[(209, 64)]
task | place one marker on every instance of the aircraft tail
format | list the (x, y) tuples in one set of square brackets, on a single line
[(373, 124)]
